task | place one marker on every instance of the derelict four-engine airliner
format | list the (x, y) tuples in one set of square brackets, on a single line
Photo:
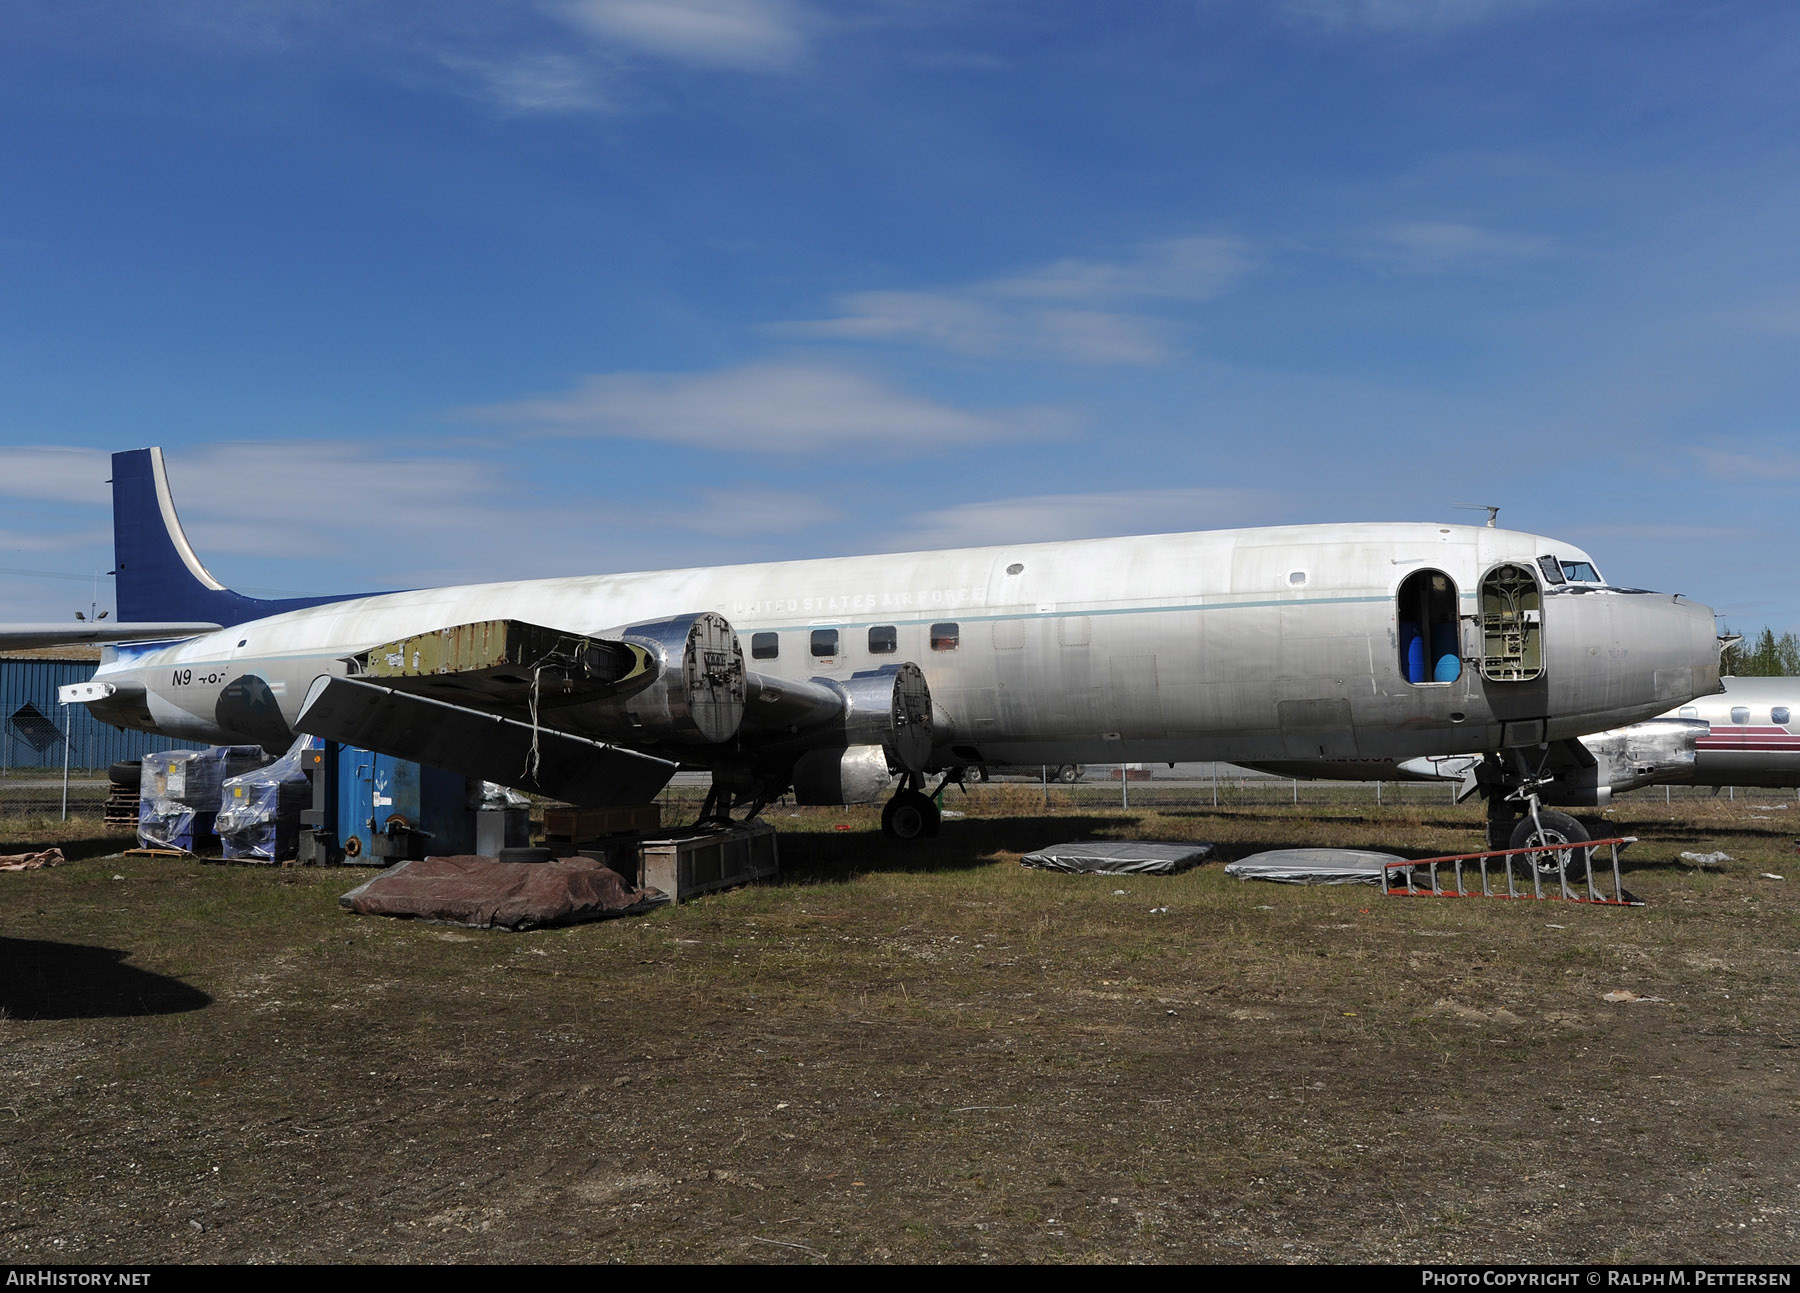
[(844, 680)]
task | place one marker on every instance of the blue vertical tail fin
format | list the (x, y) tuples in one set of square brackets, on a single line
[(156, 573)]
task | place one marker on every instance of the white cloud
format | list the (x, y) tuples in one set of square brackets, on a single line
[(1749, 467), (743, 511), (1086, 516), (969, 326), (1093, 337), (1189, 269), (49, 540), (541, 83), (1068, 310), (1438, 247), (1406, 15), (746, 35), (44, 473), (247, 498), (760, 408)]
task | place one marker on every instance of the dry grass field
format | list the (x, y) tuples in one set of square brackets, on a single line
[(917, 1054)]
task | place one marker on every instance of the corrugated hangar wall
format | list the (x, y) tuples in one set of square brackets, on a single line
[(28, 683)]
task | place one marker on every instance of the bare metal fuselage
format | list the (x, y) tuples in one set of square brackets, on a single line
[(1248, 645), (1748, 734)]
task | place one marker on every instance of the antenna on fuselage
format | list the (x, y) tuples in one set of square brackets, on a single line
[(1491, 509)]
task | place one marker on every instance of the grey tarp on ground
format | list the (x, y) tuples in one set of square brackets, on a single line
[(1119, 857), (486, 893), (1314, 866)]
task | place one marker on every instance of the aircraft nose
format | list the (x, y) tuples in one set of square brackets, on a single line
[(1629, 656), (1686, 645)]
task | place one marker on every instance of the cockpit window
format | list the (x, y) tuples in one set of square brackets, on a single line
[(1581, 572), (1553, 570)]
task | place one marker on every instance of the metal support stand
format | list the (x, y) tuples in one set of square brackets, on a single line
[(66, 737)]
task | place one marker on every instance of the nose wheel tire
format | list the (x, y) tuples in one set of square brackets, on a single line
[(909, 815), (1553, 828)]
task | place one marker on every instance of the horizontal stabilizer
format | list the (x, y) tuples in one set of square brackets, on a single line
[(587, 773), (26, 637)]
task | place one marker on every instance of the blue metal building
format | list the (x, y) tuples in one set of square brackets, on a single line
[(33, 726)]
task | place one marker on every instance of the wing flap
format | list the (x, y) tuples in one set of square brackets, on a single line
[(587, 773)]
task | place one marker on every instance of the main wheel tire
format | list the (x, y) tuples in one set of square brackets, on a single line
[(1500, 828), (1068, 774), (910, 815), (130, 773), (526, 854), (975, 772), (1554, 828)]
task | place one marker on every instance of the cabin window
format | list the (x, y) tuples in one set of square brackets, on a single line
[(1553, 571), (1512, 624), (1688, 711), (1428, 635), (944, 637), (884, 639), (1779, 715), (1296, 578), (824, 643), (1739, 714), (765, 646)]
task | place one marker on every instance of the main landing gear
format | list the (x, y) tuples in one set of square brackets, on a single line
[(1517, 819), (912, 814), (721, 802)]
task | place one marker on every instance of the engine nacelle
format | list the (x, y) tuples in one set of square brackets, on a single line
[(889, 707), (857, 775), (1627, 758), (693, 684)]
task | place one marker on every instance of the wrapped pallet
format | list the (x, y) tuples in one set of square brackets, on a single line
[(181, 790), (259, 810)]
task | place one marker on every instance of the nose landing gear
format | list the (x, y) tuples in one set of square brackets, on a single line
[(1517, 819), (1546, 826)]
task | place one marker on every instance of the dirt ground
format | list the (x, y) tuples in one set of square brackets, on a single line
[(918, 1054)]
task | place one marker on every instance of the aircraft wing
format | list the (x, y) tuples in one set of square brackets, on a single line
[(602, 718), (25, 637), (588, 773)]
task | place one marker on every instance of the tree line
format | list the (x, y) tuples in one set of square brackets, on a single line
[(1764, 656)]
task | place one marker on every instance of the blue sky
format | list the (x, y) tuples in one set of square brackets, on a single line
[(436, 293)]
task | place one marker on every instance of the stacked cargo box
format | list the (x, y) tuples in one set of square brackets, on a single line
[(181, 790)]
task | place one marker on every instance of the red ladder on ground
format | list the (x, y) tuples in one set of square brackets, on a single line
[(1544, 871)]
